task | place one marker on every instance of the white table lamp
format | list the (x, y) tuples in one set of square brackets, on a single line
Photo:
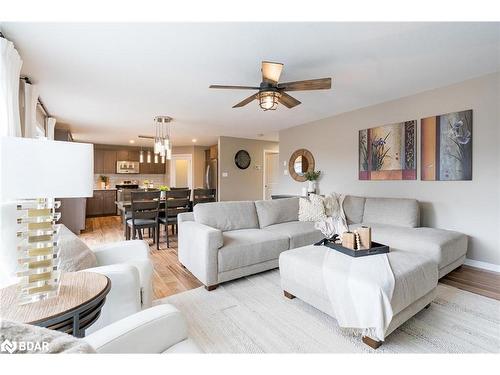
[(32, 173)]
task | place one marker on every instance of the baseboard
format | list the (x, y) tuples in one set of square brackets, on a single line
[(483, 265)]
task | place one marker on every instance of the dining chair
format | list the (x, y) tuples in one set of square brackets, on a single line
[(204, 196), (176, 202), (145, 206)]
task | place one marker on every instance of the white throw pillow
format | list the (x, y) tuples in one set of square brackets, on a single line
[(311, 209)]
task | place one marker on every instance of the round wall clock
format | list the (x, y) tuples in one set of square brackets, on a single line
[(242, 159)]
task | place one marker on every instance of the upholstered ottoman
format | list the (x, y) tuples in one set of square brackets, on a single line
[(415, 280)]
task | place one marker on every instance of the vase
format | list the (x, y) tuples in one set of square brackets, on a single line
[(163, 194), (311, 186)]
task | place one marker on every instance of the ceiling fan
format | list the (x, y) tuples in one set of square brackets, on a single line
[(271, 92)]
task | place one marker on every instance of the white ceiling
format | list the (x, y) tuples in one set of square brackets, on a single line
[(109, 80)]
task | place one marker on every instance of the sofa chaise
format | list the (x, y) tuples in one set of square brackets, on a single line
[(222, 241)]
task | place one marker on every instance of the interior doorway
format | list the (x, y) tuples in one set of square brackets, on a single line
[(181, 171), (271, 172)]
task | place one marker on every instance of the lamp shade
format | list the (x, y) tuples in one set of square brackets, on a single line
[(33, 168)]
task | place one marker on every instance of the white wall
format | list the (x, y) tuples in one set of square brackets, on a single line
[(471, 207)]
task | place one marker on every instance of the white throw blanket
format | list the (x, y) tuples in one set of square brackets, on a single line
[(360, 290), (336, 222)]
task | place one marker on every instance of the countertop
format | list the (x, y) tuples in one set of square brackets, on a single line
[(95, 189)]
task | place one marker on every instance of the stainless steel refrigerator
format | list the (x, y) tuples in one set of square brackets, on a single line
[(211, 174)]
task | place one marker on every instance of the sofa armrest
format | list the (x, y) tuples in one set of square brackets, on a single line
[(153, 330), (198, 250), (185, 216), (123, 299), (122, 251)]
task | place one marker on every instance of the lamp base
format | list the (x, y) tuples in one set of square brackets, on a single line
[(38, 250)]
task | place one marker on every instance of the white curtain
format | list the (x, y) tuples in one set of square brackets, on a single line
[(51, 124), (10, 69), (30, 102)]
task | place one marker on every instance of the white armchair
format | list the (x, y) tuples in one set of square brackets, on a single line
[(159, 329), (127, 265)]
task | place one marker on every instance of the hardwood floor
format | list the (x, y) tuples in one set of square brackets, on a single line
[(475, 280), (171, 278)]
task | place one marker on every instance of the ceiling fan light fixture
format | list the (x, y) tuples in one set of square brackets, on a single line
[(269, 99)]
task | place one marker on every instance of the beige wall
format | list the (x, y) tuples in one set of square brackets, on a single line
[(241, 184), (471, 207)]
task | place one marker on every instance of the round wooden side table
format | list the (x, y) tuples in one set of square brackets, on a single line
[(77, 306)]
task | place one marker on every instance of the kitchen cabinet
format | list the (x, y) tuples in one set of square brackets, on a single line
[(145, 168), (133, 155), (127, 155), (122, 155), (102, 203), (98, 161), (109, 161), (214, 152)]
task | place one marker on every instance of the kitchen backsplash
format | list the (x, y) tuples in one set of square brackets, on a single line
[(115, 179)]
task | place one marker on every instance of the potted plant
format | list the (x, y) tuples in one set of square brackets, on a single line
[(312, 177), (104, 180), (163, 190)]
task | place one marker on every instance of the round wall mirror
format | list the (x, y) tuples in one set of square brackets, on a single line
[(301, 161)]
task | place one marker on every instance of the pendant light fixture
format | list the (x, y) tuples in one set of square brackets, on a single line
[(162, 142), (141, 156)]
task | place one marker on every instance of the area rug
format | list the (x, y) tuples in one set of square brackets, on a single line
[(250, 315)]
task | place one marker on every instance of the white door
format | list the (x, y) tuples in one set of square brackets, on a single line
[(181, 172), (271, 173)]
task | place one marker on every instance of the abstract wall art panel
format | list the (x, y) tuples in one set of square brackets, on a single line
[(388, 152), (446, 147)]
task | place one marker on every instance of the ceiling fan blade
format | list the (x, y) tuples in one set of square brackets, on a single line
[(245, 101), (310, 84), (271, 71), (287, 100), (233, 87), (146, 136)]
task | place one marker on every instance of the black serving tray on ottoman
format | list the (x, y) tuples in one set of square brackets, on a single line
[(376, 248)]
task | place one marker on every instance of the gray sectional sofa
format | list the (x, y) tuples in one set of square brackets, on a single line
[(222, 241)]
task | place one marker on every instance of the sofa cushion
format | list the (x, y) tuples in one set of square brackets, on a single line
[(277, 211), (246, 247), (354, 208), (300, 233), (443, 246), (227, 216), (392, 211)]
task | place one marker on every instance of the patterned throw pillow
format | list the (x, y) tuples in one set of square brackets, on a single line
[(312, 208)]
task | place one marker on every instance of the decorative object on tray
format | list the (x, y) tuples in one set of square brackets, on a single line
[(242, 159), (365, 237), (312, 177), (446, 147), (349, 240), (388, 152)]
